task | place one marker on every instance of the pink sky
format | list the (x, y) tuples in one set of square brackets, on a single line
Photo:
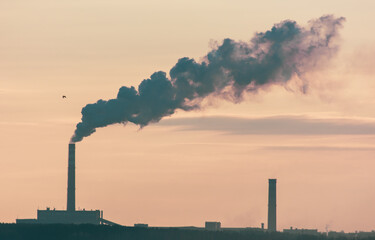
[(189, 168)]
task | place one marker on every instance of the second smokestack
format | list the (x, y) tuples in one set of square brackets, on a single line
[(271, 204), (71, 201)]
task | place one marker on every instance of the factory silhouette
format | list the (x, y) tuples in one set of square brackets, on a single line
[(73, 216), (70, 215), (51, 220)]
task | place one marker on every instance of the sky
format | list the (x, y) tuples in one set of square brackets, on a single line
[(211, 164)]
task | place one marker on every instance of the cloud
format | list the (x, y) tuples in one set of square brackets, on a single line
[(276, 125), (5, 123), (316, 148)]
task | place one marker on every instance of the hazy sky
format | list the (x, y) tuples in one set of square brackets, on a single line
[(195, 166)]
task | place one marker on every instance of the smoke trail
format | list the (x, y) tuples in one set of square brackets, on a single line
[(228, 71)]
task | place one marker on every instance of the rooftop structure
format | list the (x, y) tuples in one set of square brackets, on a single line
[(141, 225), (213, 226), (301, 231)]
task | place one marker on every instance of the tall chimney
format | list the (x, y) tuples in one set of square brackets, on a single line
[(272, 204), (71, 203)]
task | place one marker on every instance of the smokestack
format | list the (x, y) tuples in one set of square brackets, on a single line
[(272, 204), (71, 203)]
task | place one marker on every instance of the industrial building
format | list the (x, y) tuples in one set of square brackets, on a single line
[(70, 215), (141, 225), (212, 226), (302, 231)]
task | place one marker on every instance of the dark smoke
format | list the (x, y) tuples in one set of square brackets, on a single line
[(228, 71)]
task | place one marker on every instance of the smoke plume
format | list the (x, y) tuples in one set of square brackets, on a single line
[(228, 71)]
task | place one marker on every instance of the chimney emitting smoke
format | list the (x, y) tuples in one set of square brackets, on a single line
[(71, 199)]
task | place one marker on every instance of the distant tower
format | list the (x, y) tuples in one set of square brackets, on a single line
[(272, 204), (71, 203)]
